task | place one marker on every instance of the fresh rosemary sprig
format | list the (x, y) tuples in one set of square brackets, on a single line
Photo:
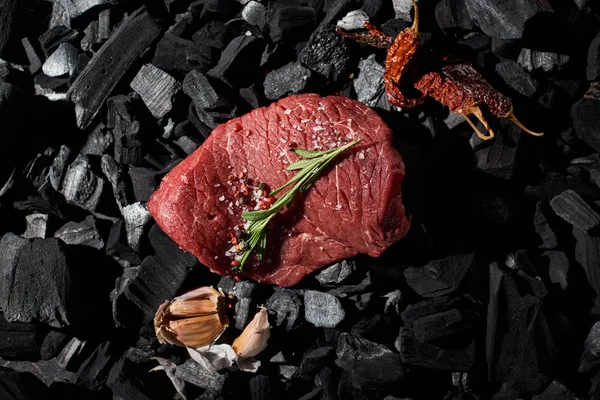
[(309, 168)]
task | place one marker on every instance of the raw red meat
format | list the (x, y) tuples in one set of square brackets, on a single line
[(354, 207)]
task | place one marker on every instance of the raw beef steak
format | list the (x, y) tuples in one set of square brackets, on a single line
[(354, 207)]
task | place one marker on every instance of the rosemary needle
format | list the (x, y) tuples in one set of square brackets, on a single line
[(309, 167)]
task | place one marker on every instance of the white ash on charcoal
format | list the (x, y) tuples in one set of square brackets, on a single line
[(354, 20), (137, 219), (327, 54), (62, 61), (110, 63), (288, 22), (322, 309), (292, 78), (156, 88), (370, 365)]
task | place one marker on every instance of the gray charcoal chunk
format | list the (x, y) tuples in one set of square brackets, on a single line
[(547, 61), (156, 88), (287, 371), (243, 291), (90, 36), (62, 61), (336, 273), (326, 53), (100, 76), (70, 355), (439, 277), (286, 306), (193, 373), (211, 106), (80, 233), (585, 114), (36, 226), (137, 218), (403, 9), (11, 247), (322, 309), (255, 13), (114, 173), (240, 61), (460, 357), (558, 268), (542, 226), (369, 84), (81, 186), (593, 60), (292, 78), (354, 20), (72, 9), (368, 363), (97, 142), (572, 208), (453, 15), (504, 19), (59, 167), (591, 353), (517, 78)]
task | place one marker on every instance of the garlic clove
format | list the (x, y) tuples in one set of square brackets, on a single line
[(195, 319), (254, 337)]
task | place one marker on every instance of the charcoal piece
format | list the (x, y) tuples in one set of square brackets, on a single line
[(354, 20), (53, 37), (368, 85), (501, 158), (590, 358), (543, 228), (36, 226), (572, 208), (81, 186), (428, 307), (19, 340), (439, 277), (144, 182), (315, 360), (97, 142), (251, 97), (261, 388), (292, 78), (160, 277), (336, 273), (73, 354), (328, 381), (504, 20), (555, 390), (116, 245), (82, 233), (212, 34), (286, 306), (517, 78), (439, 325), (255, 14), (123, 383), (370, 365), (520, 349), (37, 170), (115, 175), (126, 124), (187, 144), (74, 9), (110, 63), (587, 254), (350, 289), (322, 309), (546, 61), (104, 24), (176, 55), (555, 183), (288, 21), (197, 375), (393, 301), (211, 106), (558, 268), (335, 9), (327, 54), (459, 357), (593, 60), (46, 84), (94, 371), (452, 16), (585, 114), (21, 386), (288, 371), (218, 9), (90, 37), (35, 60), (156, 88), (240, 61), (125, 313), (53, 343), (137, 218), (403, 9), (48, 371), (243, 292)]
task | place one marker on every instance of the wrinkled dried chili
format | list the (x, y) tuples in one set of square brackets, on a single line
[(456, 84)]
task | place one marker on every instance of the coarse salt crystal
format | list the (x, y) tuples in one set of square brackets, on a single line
[(222, 198), (338, 207), (288, 111), (318, 128), (217, 184), (361, 155), (304, 121)]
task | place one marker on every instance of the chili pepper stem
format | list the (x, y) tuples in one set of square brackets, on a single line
[(476, 111), (415, 25), (511, 117)]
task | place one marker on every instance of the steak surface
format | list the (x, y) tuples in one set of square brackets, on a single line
[(355, 206)]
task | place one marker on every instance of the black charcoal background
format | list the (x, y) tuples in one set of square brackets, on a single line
[(493, 294)]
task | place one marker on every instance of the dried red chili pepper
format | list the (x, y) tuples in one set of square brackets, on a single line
[(457, 85)]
